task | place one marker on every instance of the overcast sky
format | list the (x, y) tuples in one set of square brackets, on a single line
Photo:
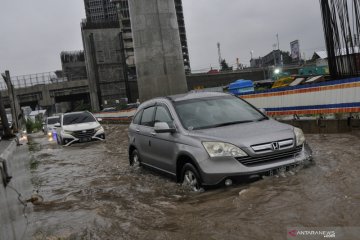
[(33, 33)]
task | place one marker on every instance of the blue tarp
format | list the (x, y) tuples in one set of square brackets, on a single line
[(241, 86)]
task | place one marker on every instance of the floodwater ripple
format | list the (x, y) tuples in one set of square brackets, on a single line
[(90, 192)]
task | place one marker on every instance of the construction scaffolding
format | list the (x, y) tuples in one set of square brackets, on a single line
[(30, 80), (341, 21)]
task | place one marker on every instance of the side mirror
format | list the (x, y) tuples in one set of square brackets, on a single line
[(57, 125), (163, 127), (263, 111), (99, 119)]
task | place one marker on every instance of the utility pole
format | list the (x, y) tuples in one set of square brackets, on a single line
[(122, 49), (14, 104), (4, 120), (219, 53), (274, 54)]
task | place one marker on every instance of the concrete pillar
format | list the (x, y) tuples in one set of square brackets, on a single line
[(47, 100), (14, 103), (158, 53)]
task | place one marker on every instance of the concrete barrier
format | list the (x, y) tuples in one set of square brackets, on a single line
[(13, 208), (326, 125)]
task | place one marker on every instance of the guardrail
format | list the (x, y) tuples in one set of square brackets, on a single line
[(339, 96)]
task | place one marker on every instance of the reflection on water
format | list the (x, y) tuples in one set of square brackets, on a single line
[(90, 192)]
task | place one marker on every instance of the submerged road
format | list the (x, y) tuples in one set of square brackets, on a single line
[(90, 192)]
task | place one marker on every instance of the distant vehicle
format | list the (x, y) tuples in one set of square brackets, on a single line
[(49, 125), (213, 71), (78, 127), (241, 86), (212, 139), (132, 106), (109, 109), (9, 117)]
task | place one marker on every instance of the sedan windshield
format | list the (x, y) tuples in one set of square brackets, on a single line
[(77, 118), (216, 112)]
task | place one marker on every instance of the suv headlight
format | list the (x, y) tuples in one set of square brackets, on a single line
[(99, 128), (68, 132), (300, 138), (220, 149)]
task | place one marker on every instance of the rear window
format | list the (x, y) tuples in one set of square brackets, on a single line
[(53, 121), (77, 118)]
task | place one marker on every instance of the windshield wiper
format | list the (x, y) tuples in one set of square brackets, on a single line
[(262, 119), (229, 123)]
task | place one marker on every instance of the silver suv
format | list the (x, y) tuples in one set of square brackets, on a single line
[(212, 138)]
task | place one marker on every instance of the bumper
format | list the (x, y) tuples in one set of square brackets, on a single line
[(69, 139), (216, 171)]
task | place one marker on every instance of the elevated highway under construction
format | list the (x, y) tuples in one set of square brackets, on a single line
[(46, 89)]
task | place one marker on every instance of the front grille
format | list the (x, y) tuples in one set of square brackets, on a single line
[(250, 161), (84, 133), (268, 147)]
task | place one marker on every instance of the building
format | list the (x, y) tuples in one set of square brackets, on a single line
[(342, 56), (106, 11), (107, 47), (274, 58), (104, 63), (73, 65), (100, 11)]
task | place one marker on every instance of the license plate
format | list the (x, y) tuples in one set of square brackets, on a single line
[(85, 139), (276, 171)]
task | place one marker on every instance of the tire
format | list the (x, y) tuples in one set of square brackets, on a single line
[(135, 159), (190, 178)]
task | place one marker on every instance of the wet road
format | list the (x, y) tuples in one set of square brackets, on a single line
[(90, 192)]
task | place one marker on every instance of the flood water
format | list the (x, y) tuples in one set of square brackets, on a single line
[(90, 192)]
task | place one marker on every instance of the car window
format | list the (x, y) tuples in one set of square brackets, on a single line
[(137, 117), (53, 120), (215, 112), (147, 117), (162, 115), (76, 118)]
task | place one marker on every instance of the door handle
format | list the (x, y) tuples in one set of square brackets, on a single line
[(153, 133), (137, 130)]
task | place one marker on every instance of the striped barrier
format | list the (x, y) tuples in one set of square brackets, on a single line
[(340, 96)]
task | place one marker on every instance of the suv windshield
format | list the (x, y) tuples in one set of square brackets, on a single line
[(53, 121), (76, 118), (215, 112)]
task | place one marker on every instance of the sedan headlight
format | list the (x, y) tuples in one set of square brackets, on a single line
[(300, 138), (220, 149)]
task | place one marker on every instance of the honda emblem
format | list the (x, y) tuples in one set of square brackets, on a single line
[(275, 146)]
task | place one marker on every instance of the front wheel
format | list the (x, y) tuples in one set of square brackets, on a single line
[(135, 159), (191, 178)]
